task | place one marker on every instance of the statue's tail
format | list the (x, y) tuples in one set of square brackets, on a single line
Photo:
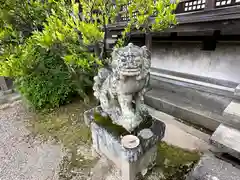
[(103, 73)]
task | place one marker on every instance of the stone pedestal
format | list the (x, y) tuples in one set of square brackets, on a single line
[(134, 154)]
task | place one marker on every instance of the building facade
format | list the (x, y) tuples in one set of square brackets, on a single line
[(195, 65)]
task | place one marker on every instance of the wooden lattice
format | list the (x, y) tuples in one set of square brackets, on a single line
[(220, 3), (135, 14), (125, 18), (194, 5)]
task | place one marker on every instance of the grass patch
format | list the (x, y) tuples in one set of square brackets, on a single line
[(65, 125)]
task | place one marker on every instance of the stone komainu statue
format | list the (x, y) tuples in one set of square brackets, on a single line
[(121, 86)]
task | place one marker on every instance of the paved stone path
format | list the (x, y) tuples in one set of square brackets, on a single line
[(22, 157)]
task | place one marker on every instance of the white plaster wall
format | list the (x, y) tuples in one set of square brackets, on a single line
[(223, 63)]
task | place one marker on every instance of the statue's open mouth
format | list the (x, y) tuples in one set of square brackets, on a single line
[(130, 72)]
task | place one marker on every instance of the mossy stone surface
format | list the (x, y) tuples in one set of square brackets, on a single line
[(107, 123), (117, 130)]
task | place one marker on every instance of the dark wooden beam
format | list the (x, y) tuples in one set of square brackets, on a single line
[(198, 27), (210, 42), (213, 40), (232, 26), (207, 15), (226, 13), (148, 41), (216, 37)]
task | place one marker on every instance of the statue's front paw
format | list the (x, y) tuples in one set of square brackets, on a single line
[(138, 78), (128, 117), (96, 94)]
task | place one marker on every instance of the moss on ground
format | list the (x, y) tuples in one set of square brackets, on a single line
[(174, 163), (66, 125)]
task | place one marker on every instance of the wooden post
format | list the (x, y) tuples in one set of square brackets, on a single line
[(210, 4), (148, 41)]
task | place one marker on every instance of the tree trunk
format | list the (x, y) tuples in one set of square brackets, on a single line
[(104, 55), (148, 40)]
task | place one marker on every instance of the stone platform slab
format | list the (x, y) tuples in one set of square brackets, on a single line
[(232, 114), (212, 168), (227, 140)]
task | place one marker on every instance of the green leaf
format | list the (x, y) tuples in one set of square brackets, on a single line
[(68, 58), (47, 39), (60, 36)]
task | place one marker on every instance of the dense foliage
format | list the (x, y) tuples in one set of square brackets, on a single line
[(48, 61), (44, 44)]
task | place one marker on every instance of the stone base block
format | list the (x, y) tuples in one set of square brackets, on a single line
[(134, 154)]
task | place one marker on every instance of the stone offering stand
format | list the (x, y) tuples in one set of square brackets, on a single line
[(134, 154)]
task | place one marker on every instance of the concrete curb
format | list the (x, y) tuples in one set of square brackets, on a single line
[(181, 135)]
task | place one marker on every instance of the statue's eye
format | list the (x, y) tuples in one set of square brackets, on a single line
[(124, 60)]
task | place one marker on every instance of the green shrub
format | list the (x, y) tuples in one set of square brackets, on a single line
[(51, 65), (48, 83), (25, 16)]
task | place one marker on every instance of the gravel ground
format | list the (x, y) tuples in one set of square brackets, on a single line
[(21, 156)]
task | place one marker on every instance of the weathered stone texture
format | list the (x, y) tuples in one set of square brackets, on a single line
[(130, 160), (211, 168), (125, 81)]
